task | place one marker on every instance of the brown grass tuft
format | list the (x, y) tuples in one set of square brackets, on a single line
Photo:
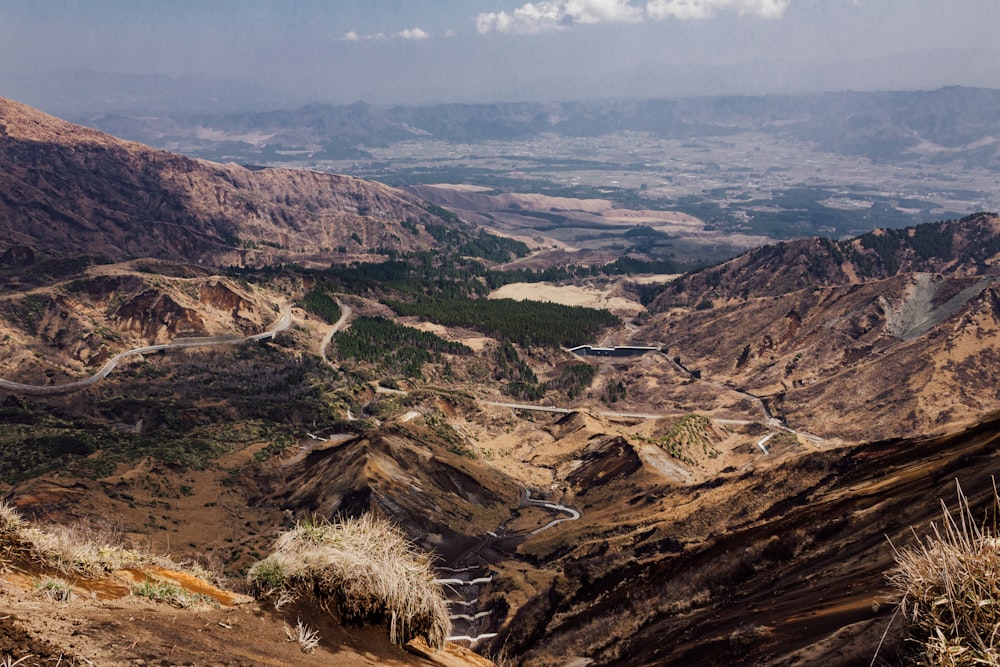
[(363, 568), (950, 590)]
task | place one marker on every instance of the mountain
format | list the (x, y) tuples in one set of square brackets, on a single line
[(66, 187), (66, 92), (722, 496), (898, 325), (944, 124)]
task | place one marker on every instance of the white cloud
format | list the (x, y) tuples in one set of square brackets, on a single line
[(410, 33), (703, 9), (548, 15), (602, 11), (413, 33)]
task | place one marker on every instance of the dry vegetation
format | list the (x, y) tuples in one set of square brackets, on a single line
[(71, 550), (950, 587), (362, 569)]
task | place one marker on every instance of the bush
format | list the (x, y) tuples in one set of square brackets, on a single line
[(950, 590), (363, 568), (172, 594)]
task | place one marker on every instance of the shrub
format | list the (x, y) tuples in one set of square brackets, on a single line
[(307, 638), (172, 594), (363, 568), (950, 590), (55, 589)]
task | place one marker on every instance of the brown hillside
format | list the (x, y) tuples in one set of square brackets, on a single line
[(779, 564), (68, 189), (854, 340)]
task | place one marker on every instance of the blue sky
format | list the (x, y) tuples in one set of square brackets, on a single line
[(424, 51)]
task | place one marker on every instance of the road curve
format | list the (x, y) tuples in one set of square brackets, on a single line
[(573, 514), (284, 321)]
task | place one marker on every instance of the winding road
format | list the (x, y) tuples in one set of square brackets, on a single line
[(566, 411), (284, 321), (473, 618), (573, 514)]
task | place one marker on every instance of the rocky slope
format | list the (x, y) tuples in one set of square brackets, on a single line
[(780, 564), (71, 327), (899, 326), (63, 186)]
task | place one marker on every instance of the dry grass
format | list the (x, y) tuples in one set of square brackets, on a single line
[(74, 550), (10, 521), (364, 569), (307, 638), (950, 590)]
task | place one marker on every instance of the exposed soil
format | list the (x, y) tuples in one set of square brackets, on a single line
[(116, 628)]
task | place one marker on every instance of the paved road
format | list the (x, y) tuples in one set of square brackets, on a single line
[(769, 419), (573, 514), (566, 411), (284, 321), (526, 499)]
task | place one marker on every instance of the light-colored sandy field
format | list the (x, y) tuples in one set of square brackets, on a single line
[(568, 295), (475, 341)]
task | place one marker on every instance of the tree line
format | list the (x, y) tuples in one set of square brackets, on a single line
[(527, 323), (393, 347)]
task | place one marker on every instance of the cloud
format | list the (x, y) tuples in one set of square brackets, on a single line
[(703, 9), (602, 11), (549, 15), (413, 33)]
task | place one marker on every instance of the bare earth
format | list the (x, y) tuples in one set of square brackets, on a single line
[(568, 295)]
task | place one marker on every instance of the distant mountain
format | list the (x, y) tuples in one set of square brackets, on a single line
[(949, 123), (66, 189)]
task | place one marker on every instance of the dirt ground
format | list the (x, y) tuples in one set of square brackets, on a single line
[(567, 295), (135, 631)]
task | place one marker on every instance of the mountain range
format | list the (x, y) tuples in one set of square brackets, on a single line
[(953, 123), (722, 495)]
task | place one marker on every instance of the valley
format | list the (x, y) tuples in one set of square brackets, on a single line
[(201, 359), (737, 171)]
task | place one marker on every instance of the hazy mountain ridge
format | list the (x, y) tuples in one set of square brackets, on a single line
[(944, 124)]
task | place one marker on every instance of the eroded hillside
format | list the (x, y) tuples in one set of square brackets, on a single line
[(67, 187)]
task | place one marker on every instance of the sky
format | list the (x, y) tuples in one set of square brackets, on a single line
[(288, 52)]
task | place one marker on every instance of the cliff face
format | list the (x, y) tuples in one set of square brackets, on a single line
[(68, 189)]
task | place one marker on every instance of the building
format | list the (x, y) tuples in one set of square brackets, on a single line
[(617, 351)]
